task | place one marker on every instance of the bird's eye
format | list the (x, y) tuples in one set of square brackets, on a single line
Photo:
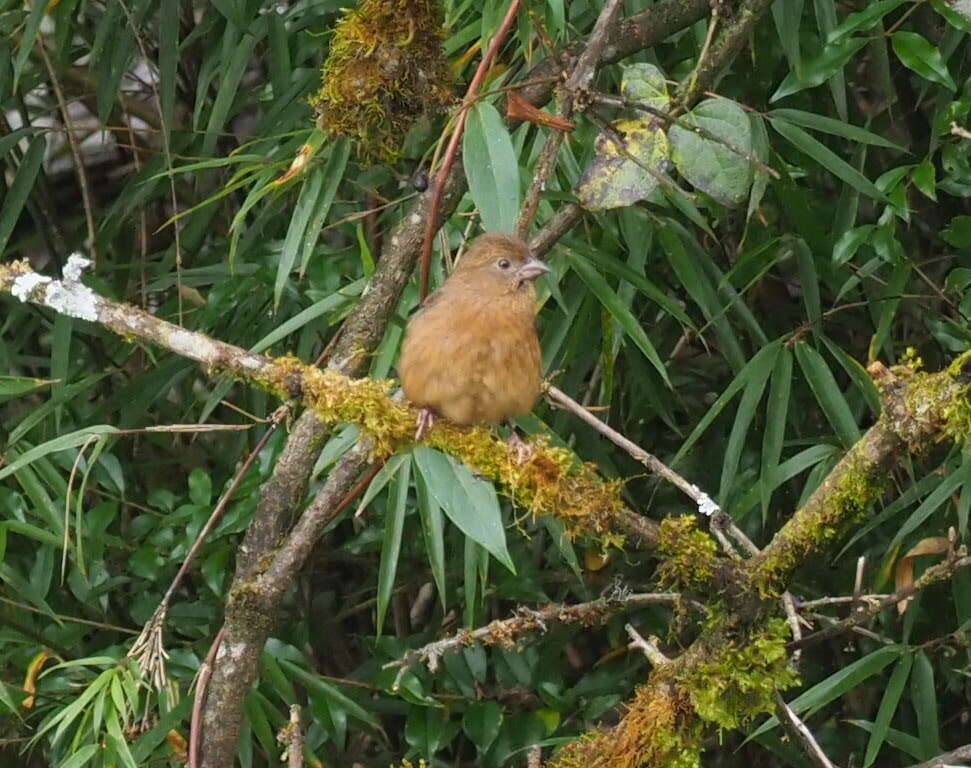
[(503, 263)]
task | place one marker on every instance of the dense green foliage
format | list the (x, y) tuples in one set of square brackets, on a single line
[(723, 320)]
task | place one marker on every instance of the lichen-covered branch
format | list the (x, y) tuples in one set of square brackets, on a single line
[(506, 632), (552, 482), (919, 410)]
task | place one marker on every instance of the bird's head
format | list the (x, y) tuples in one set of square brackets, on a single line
[(501, 262)]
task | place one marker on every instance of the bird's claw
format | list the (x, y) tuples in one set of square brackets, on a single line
[(425, 421), (522, 450)]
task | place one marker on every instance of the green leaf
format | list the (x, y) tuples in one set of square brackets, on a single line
[(776, 413), (394, 525), (62, 443), (708, 165), (23, 181), (957, 13), (919, 55), (825, 124), (958, 232), (751, 396), (828, 394), (865, 20), (491, 166), (849, 243), (888, 706), (302, 212), (923, 696), (826, 158), (834, 686), (816, 71), (425, 730), (618, 310), (628, 162), (331, 692), (644, 82), (481, 723), (13, 386), (468, 501), (433, 532)]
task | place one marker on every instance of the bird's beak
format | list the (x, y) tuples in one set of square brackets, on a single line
[(531, 269)]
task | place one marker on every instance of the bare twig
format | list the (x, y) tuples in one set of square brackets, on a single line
[(797, 729), (453, 144), (959, 755), (646, 646), (291, 736), (579, 81), (82, 174), (149, 648), (504, 632), (706, 505), (202, 681), (933, 575), (961, 133), (795, 623)]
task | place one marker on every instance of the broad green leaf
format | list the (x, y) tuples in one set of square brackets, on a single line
[(468, 501), (628, 163), (865, 20), (923, 58), (924, 697), (957, 13), (314, 683), (711, 166), (491, 167), (828, 394), (481, 723), (13, 386), (394, 526), (645, 83)]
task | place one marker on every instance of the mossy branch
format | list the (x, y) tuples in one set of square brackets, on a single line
[(552, 482)]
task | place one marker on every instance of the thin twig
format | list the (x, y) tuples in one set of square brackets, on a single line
[(525, 621), (705, 503), (646, 646), (578, 81), (932, 575), (961, 133), (453, 144), (959, 755), (202, 681), (82, 174), (797, 729), (72, 619), (149, 647)]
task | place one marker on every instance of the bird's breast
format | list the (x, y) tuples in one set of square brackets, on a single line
[(471, 362)]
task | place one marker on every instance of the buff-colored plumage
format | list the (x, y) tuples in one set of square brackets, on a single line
[(471, 353)]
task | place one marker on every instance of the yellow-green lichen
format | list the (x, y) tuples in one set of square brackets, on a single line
[(738, 681), (842, 499), (384, 69), (689, 555)]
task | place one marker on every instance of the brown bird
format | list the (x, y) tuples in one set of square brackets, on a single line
[(471, 353)]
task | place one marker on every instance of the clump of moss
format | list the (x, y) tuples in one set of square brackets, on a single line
[(740, 680), (385, 68), (658, 730), (689, 555)]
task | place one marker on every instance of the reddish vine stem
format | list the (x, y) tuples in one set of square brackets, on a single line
[(456, 137)]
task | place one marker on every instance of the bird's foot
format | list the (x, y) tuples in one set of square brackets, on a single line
[(426, 418), (522, 451)]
